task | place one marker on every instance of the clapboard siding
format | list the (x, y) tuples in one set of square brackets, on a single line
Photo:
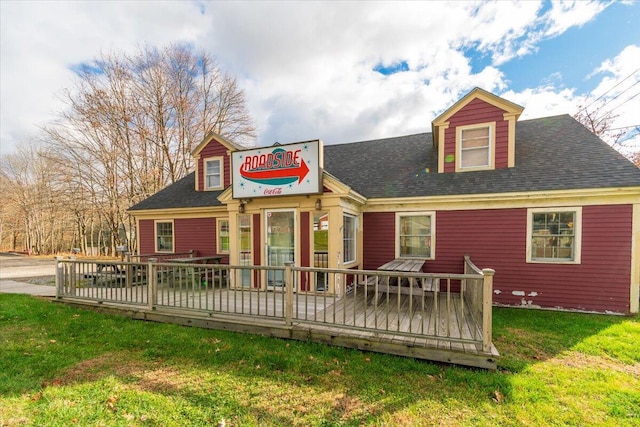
[(146, 234), (379, 239), (478, 111), (197, 234), (214, 149), (496, 238)]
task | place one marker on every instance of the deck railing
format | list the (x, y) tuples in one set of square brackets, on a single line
[(454, 308)]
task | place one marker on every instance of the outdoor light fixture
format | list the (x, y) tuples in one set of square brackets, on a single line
[(318, 204), (243, 203)]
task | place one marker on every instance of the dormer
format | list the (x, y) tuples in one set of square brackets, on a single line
[(213, 162), (476, 133)]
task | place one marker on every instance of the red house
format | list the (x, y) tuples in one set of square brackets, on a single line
[(547, 204)]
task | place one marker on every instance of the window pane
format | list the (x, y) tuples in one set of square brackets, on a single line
[(213, 176), (223, 236), (553, 236), (213, 181), (475, 157), (476, 133), (349, 232), (475, 138), (213, 167), (164, 236), (415, 236)]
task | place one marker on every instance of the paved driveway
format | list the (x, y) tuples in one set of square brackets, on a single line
[(19, 274)]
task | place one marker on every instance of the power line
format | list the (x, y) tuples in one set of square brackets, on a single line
[(615, 97), (624, 127), (601, 117), (618, 84)]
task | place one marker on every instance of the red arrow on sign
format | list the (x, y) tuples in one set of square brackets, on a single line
[(297, 171)]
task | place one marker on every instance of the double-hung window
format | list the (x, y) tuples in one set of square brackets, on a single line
[(164, 236), (213, 173), (475, 147), (223, 236), (415, 233), (349, 238), (554, 235)]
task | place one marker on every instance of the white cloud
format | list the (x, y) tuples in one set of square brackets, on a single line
[(307, 68), (566, 14), (39, 41), (618, 93)]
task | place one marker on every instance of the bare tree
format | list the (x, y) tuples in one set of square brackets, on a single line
[(128, 129), (30, 208)]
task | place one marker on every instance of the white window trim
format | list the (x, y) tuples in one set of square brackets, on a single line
[(355, 239), (155, 235), (492, 147), (432, 214), (218, 244), (204, 172), (577, 250)]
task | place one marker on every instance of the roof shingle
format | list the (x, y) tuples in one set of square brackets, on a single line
[(552, 153)]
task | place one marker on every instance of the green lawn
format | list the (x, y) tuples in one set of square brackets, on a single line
[(62, 366)]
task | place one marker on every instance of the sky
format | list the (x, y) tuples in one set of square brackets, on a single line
[(339, 71)]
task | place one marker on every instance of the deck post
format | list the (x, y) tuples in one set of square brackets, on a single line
[(487, 307), (59, 279), (152, 285), (288, 286)]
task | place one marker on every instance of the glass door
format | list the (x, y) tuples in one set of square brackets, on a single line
[(280, 243), (321, 248), (244, 232)]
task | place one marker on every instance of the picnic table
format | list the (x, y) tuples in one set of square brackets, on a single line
[(193, 277), (107, 271), (212, 259), (410, 265), (389, 284)]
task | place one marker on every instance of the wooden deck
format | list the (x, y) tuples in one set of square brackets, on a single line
[(439, 329)]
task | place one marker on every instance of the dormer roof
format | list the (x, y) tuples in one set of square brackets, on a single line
[(211, 136), (509, 108)]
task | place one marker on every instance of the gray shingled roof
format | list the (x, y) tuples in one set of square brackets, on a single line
[(180, 194), (552, 153)]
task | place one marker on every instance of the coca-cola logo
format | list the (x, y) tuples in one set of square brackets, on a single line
[(273, 191)]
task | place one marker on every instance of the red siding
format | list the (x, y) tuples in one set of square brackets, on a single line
[(478, 111), (305, 247), (214, 149), (197, 234), (257, 239), (497, 239), (146, 236), (379, 239)]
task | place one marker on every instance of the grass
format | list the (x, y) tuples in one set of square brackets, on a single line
[(62, 366)]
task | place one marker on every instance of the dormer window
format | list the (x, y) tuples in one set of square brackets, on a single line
[(476, 133), (475, 147), (213, 173)]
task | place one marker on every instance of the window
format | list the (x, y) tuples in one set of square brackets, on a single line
[(213, 173), (244, 253), (223, 236), (475, 147), (415, 235), (164, 236), (349, 238), (554, 235)]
